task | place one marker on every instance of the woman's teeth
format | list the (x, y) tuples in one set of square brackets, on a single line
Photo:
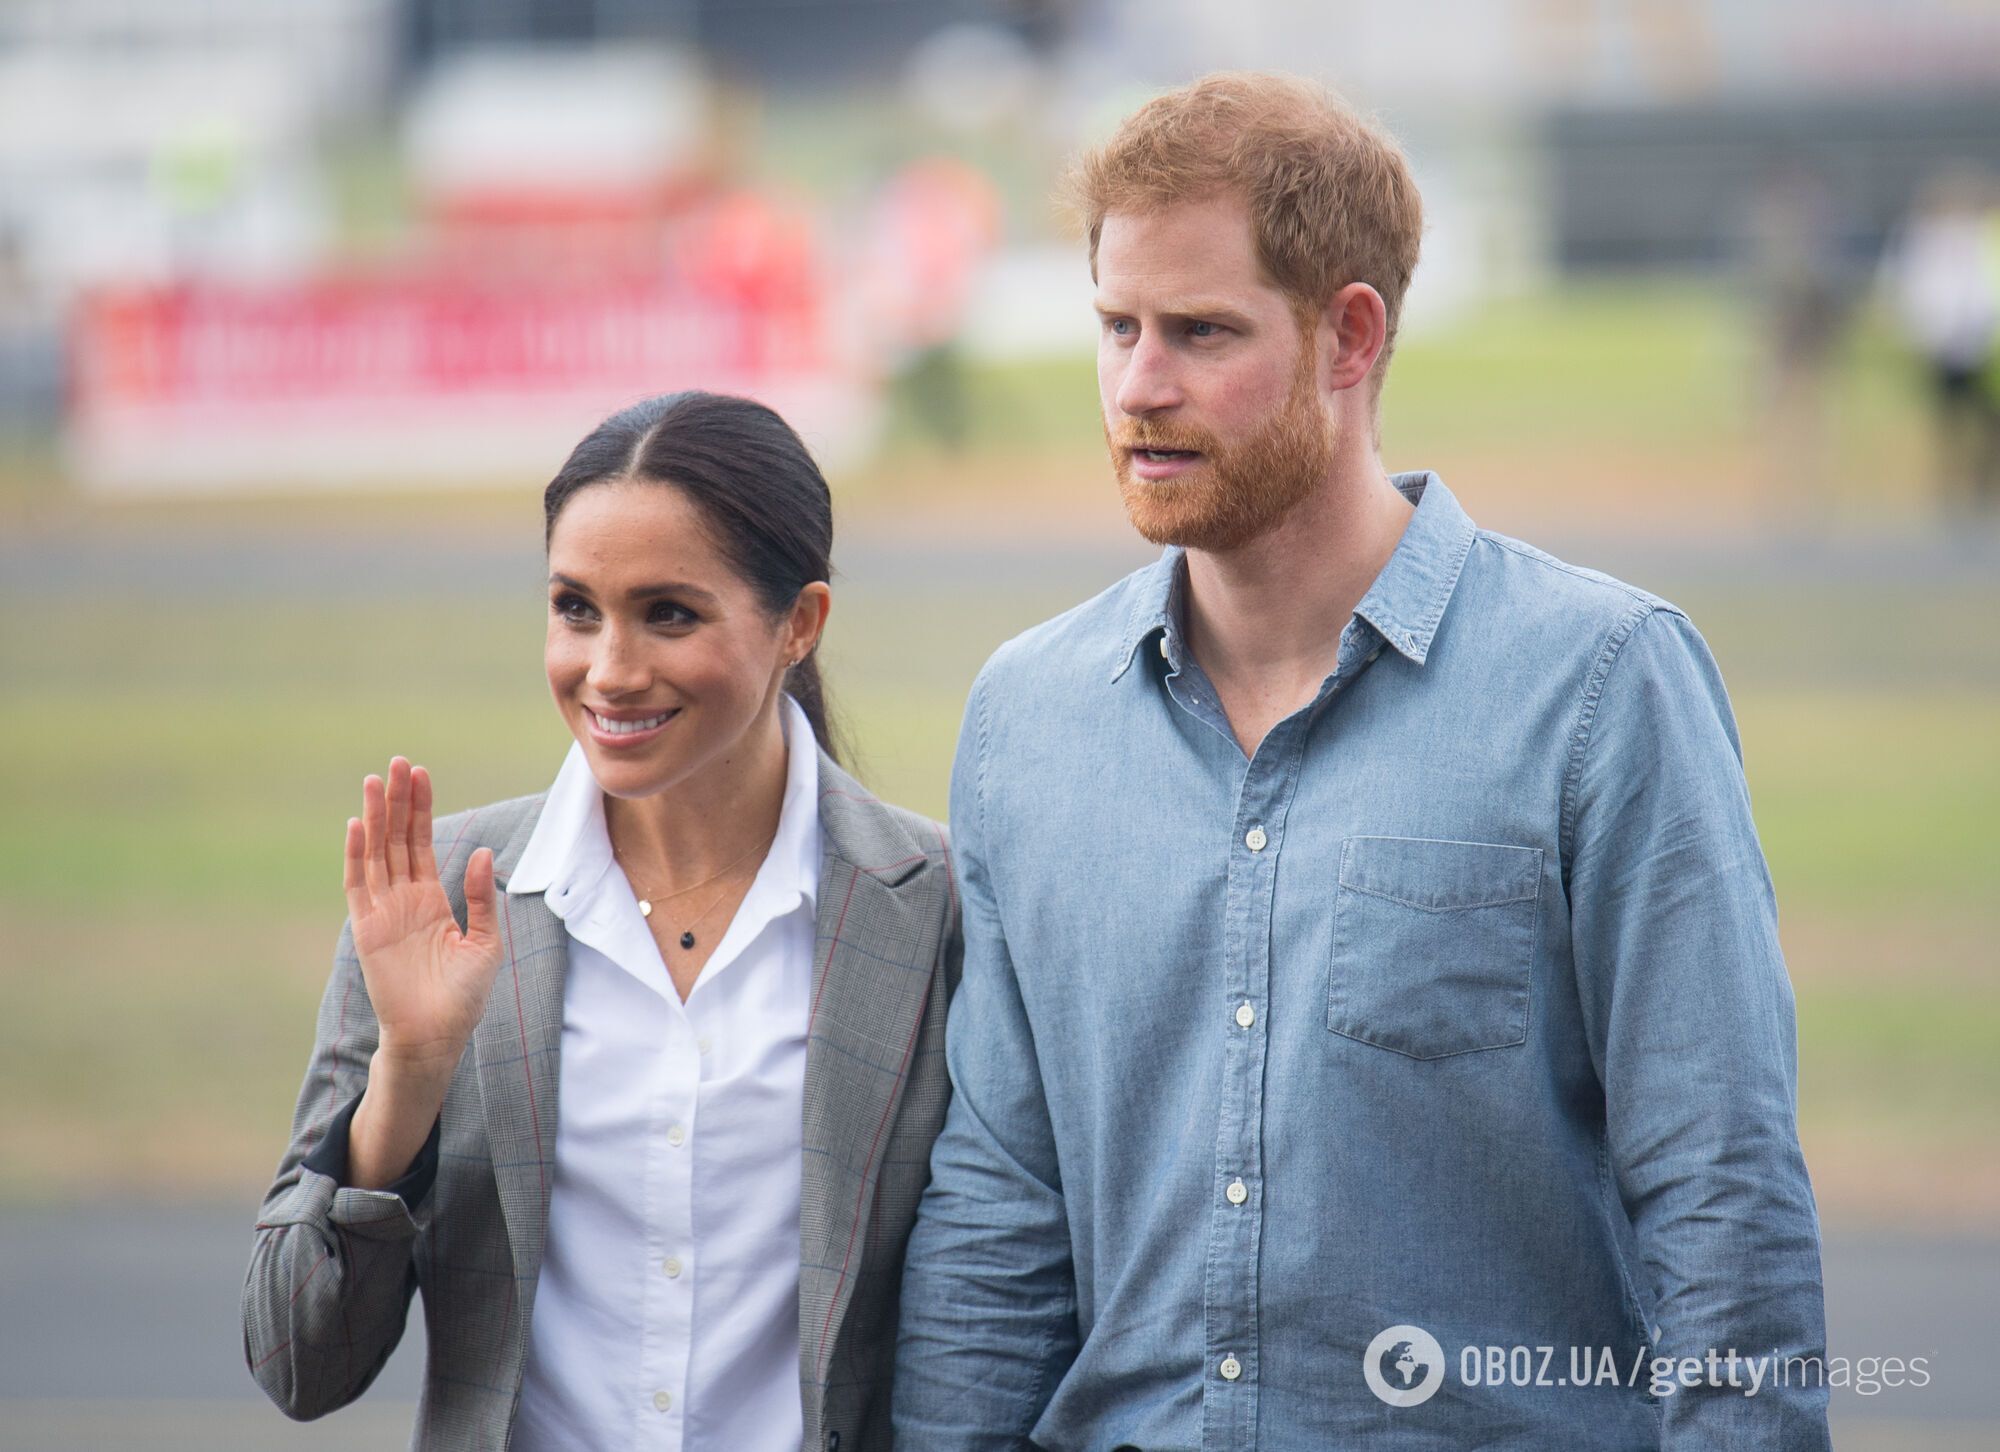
[(626, 728)]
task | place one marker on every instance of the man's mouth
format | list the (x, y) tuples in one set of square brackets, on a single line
[(1157, 466)]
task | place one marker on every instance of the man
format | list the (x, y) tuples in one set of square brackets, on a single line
[(1367, 940)]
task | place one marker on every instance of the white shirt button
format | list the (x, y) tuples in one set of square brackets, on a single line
[(672, 1266), (1231, 1368), (676, 1136), (1237, 1192), (1255, 839), (1245, 1016), (1163, 647), (703, 1044), (662, 1401)]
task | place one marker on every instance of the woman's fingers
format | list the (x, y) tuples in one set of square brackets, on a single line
[(396, 846), (374, 828), (423, 861), (353, 877), (481, 910)]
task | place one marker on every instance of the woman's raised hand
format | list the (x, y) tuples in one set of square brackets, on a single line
[(426, 980)]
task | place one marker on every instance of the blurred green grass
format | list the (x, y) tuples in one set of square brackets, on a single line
[(176, 768), (1669, 374), (211, 749), (177, 776)]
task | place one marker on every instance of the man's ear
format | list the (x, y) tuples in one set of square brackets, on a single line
[(1353, 330)]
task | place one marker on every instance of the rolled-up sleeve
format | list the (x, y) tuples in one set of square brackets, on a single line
[(989, 1302), (1692, 1032), (332, 1270)]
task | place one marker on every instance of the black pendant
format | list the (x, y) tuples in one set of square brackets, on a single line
[(687, 940)]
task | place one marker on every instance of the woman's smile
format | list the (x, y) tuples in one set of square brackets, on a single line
[(625, 731)]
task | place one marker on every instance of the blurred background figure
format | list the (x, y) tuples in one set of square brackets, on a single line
[(1944, 270), (930, 228), (1801, 278)]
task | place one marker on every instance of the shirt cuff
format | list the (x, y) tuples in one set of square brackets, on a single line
[(329, 1158)]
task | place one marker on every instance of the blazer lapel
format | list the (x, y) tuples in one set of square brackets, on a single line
[(879, 922), (518, 1046)]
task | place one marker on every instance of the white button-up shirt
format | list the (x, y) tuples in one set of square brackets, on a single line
[(666, 1315)]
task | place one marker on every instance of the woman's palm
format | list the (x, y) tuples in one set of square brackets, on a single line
[(427, 980)]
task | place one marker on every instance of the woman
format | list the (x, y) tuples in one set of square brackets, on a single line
[(635, 1079)]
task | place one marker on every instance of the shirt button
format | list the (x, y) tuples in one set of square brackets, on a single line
[(703, 1044), (672, 1266), (1163, 647), (662, 1401), (1237, 1192), (676, 1136), (1255, 839), (1231, 1368), (1245, 1016)]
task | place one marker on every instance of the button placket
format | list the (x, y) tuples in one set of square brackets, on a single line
[(1231, 1284)]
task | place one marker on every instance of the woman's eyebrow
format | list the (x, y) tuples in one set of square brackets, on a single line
[(676, 588)]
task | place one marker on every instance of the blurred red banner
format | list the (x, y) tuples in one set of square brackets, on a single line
[(381, 379)]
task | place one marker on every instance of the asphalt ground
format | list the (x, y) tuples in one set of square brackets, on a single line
[(119, 1329)]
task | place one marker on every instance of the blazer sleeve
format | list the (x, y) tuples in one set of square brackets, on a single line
[(333, 1268)]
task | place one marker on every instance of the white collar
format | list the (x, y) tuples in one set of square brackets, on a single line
[(570, 849)]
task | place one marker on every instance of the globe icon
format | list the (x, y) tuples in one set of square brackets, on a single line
[(1404, 1365), (1400, 1366)]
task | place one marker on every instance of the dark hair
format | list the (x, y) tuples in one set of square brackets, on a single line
[(752, 479)]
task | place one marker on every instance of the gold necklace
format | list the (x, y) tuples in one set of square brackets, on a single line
[(687, 939), (687, 933)]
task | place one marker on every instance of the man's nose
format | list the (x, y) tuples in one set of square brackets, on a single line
[(1150, 381)]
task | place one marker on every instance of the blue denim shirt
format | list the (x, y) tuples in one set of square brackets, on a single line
[(1458, 1007)]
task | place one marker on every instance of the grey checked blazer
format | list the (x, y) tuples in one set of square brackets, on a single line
[(334, 1268)]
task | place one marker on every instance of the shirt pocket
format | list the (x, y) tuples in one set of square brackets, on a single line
[(1433, 944)]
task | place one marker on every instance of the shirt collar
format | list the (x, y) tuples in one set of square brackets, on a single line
[(1156, 609), (1407, 600), (1404, 605), (798, 848), (570, 849)]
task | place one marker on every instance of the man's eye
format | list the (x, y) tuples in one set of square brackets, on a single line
[(1119, 327), (1204, 330)]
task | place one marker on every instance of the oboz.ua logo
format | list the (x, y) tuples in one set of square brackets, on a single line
[(1404, 1366)]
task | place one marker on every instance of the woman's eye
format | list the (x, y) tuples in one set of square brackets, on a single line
[(669, 614), (570, 607)]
